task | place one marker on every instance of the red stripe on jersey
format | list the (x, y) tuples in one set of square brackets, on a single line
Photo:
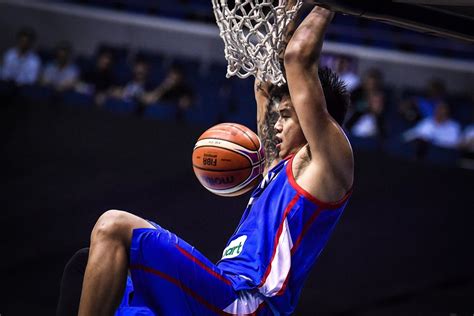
[(277, 237), (183, 287), (297, 244), (190, 292), (283, 288), (202, 265), (305, 229), (306, 194)]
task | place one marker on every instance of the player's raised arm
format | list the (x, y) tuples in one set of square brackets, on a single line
[(329, 149), (301, 64)]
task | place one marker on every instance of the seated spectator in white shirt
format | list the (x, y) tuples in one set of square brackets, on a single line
[(439, 130), (61, 74), (467, 139), (467, 148), (21, 65), (344, 68), (371, 124)]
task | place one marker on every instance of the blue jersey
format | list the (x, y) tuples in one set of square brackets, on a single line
[(263, 267), (279, 238)]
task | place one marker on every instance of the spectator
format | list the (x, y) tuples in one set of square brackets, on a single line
[(371, 123), (372, 83), (136, 88), (467, 139), (21, 64), (344, 68), (420, 107), (439, 130), (466, 144), (61, 74), (173, 89), (100, 79)]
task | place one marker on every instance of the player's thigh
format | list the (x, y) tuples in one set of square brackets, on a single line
[(173, 278)]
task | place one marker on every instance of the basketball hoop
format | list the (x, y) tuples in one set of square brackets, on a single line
[(253, 33)]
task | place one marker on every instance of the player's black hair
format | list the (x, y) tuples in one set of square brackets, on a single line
[(335, 92)]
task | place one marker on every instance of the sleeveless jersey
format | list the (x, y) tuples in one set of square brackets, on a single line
[(279, 238)]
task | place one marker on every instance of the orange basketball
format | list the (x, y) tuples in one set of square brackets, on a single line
[(228, 159)]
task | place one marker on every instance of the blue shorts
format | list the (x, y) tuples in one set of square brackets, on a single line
[(170, 277)]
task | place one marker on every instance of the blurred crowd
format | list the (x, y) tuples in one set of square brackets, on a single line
[(22, 66), (420, 119), (423, 120)]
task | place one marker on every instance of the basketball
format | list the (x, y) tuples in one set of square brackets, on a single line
[(228, 159)]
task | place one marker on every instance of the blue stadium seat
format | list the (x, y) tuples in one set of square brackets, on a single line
[(77, 99), (120, 106), (157, 67), (245, 117), (123, 73), (345, 19), (381, 34), (368, 143), (140, 6), (190, 68), (6, 88), (462, 109), (85, 63), (396, 147), (208, 106), (46, 55), (172, 9), (202, 114), (200, 8), (36, 93), (443, 156), (161, 111), (242, 106)]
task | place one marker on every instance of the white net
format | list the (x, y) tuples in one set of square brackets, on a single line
[(253, 33)]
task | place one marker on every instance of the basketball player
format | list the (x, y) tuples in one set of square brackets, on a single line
[(283, 229)]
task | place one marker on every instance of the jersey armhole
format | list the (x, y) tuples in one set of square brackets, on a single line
[(309, 196)]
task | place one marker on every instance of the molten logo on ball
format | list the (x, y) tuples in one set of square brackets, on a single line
[(228, 159), (219, 180)]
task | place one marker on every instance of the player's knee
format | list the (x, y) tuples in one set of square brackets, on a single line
[(112, 225)]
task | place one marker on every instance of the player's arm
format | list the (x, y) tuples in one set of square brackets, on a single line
[(329, 149), (267, 116)]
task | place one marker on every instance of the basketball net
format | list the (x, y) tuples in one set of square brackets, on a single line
[(253, 33)]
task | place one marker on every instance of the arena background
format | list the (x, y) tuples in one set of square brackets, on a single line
[(403, 246)]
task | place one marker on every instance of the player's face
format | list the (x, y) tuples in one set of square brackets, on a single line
[(289, 135)]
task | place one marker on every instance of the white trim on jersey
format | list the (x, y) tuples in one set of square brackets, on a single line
[(247, 303), (280, 265)]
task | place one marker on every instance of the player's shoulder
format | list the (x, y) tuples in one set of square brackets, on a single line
[(326, 178)]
